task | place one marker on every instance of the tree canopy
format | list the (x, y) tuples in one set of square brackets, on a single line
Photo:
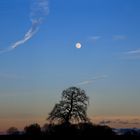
[(71, 108)]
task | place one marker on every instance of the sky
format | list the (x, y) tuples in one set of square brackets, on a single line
[(38, 59)]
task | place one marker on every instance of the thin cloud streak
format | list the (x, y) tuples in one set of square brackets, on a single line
[(118, 121), (133, 52), (119, 37), (28, 35), (131, 55), (92, 80), (95, 38), (39, 11), (85, 82)]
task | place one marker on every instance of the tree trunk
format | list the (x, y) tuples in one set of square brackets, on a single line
[(71, 108)]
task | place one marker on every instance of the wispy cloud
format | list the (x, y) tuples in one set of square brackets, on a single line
[(27, 36), (39, 10), (121, 122), (95, 38), (105, 122), (131, 54), (85, 82), (119, 37), (92, 80), (118, 121)]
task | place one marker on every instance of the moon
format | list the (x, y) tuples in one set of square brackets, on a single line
[(78, 45)]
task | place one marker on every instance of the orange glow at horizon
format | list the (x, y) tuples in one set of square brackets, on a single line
[(112, 121)]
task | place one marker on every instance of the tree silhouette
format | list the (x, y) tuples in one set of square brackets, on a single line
[(33, 130), (71, 108), (13, 131)]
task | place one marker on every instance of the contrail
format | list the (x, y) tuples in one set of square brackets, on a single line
[(91, 80), (27, 36), (39, 10)]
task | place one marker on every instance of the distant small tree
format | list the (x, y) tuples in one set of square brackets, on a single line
[(71, 108), (33, 130), (13, 131)]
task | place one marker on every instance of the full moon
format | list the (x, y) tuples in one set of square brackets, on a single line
[(78, 45)]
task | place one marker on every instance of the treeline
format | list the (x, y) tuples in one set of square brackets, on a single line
[(61, 131), (66, 131)]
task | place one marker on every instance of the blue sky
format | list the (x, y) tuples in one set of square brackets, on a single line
[(33, 75)]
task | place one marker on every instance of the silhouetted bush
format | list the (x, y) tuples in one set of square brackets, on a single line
[(88, 129), (33, 130), (13, 131), (60, 130), (82, 129)]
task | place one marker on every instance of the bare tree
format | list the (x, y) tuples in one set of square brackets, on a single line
[(71, 108)]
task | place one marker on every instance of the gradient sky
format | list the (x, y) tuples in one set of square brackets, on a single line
[(107, 67)]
